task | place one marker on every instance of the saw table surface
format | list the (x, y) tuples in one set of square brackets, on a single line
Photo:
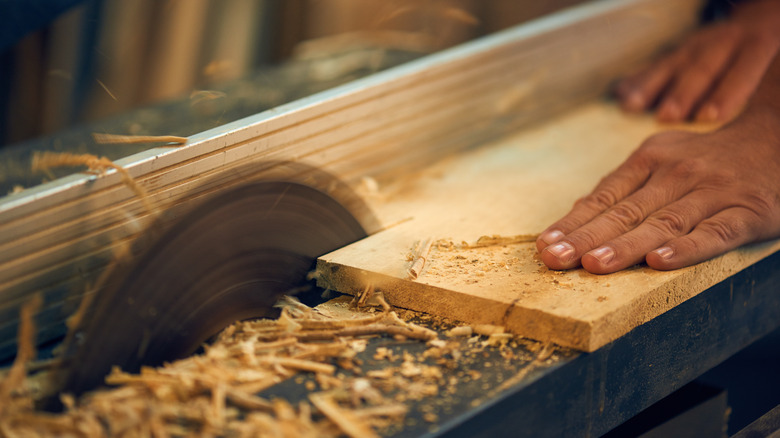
[(569, 393), (511, 190)]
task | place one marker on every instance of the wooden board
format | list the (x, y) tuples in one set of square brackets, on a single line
[(518, 186)]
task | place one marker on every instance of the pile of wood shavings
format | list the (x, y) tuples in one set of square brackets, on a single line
[(214, 394)]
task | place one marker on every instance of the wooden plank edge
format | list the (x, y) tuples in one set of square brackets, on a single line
[(423, 297)]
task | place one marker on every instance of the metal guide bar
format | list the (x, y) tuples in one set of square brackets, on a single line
[(399, 119)]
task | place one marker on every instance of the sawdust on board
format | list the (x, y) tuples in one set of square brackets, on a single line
[(471, 260), (216, 393), (507, 259)]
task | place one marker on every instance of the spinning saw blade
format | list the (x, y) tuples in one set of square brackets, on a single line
[(230, 258)]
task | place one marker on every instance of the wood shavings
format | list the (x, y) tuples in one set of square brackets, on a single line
[(219, 393), (300, 365), (460, 15), (198, 96), (498, 339), (105, 88), (377, 299), (487, 259), (464, 331), (14, 379), (361, 298), (488, 329), (496, 240), (101, 138), (44, 161), (350, 424), (215, 394), (420, 257), (486, 241)]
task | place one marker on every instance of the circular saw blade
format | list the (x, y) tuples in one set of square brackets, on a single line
[(230, 258)]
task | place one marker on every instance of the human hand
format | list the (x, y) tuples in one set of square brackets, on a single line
[(713, 73), (680, 199)]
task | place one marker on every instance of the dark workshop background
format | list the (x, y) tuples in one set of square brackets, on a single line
[(66, 62)]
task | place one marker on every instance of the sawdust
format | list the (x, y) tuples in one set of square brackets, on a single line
[(214, 393), (220, 392), (474, 261), (494, 256)]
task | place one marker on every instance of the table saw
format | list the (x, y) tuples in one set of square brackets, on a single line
[(425, 159)]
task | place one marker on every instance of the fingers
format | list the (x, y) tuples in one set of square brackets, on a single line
[(722, 232), (682, 234), (739, 83), (638, 93), (612, 189), (709, 78), (627, 249), (621, 236), (693, 81), (632, 175)]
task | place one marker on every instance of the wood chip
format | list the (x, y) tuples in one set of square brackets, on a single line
[(136, 139), (462, 331), (44, 161), (420, 257), (15, 378), (488, 329), (300, 365), (350, 424)]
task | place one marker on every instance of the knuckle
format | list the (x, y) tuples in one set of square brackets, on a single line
[(626, 214), (657, 147), (734, 229), (585, 239), (601, 199), (689, 245), (669, 222), (762, 202), (690, 168), (705, 173)]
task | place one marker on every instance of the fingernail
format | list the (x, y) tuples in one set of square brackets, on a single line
[(604, 254), (552, 236), (563, 251), (670, 111), (665, 252), (709, 113)]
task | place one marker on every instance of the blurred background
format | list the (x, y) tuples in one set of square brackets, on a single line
[(68, 62)]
